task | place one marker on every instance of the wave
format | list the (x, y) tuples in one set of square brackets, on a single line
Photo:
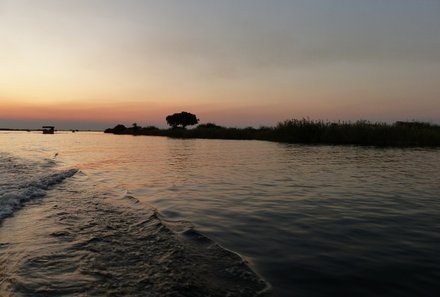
[(93, 242), (13, 197)]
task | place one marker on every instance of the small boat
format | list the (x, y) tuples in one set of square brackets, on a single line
[(48, 129)]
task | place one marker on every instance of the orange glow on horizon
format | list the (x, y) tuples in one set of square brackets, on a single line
[(90, 62), (110, 112)]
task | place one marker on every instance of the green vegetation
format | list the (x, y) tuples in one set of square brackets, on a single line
[(399, 134)]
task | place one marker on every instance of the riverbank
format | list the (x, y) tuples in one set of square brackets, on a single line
[(363, 133), (41, 130)]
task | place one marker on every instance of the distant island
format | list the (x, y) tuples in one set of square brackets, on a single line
[(301, 131)]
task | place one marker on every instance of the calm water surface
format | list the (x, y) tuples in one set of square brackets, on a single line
[(312, 220)]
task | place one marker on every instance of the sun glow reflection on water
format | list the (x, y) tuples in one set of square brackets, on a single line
[(313, 220)]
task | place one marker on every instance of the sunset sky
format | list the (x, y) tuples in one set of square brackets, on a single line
[(96, 63)]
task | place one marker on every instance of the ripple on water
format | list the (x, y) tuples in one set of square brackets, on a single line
[(96, 244)]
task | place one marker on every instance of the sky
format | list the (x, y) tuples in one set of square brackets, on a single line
[(91, 64)]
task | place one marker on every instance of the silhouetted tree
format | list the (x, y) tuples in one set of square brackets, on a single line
[(135, 128), (182, 119), (118, 129)]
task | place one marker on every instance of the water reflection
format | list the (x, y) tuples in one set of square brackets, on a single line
[(180, 158), (314, 220)]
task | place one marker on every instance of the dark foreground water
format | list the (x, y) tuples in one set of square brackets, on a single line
[(93, 214)]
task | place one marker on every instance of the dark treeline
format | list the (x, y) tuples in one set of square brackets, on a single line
[(399, 134)]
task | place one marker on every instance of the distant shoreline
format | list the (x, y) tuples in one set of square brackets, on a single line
[(361, 133), (40, 130)]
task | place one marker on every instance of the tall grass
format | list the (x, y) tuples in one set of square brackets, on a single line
[(358, 133), (305, 131)]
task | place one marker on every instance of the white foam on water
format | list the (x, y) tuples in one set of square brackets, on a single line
[(89, 242), (23, 181)]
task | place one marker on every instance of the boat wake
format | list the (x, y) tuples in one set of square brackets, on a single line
[(85, 240), (23, 181)]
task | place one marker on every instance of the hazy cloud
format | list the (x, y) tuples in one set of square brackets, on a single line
[(227, 51)]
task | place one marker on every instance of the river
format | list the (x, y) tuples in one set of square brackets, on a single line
[(100, 214)]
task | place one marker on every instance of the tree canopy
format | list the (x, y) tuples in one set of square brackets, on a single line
[(118, 129), (182, 119)]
